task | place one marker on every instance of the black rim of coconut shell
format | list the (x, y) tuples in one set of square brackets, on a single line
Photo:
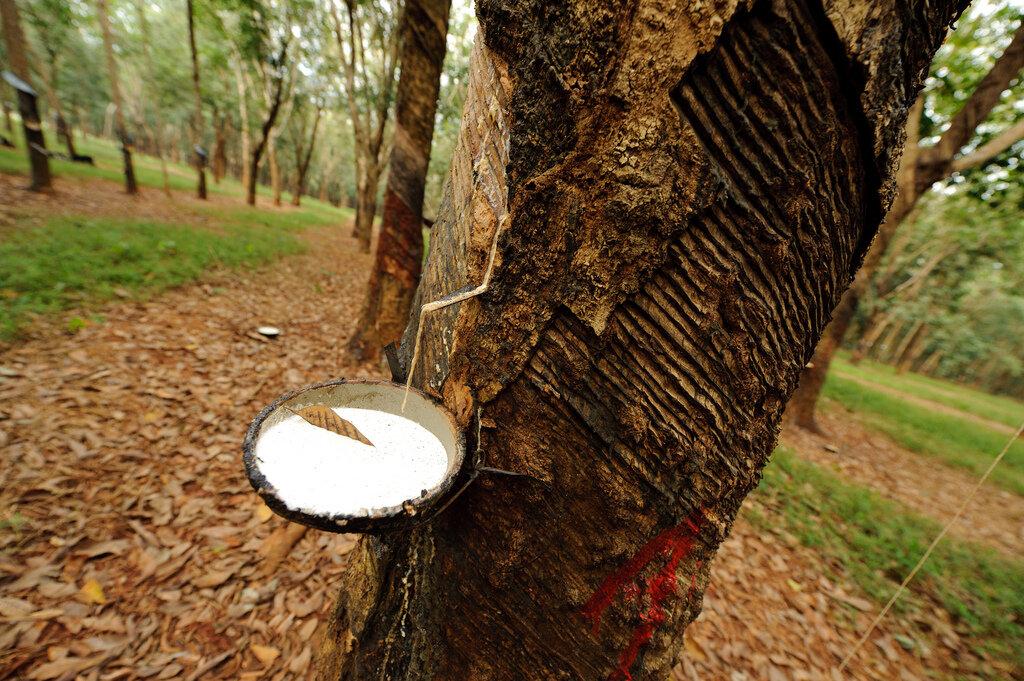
[(392, 518)]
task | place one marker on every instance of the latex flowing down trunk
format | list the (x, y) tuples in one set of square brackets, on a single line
[(683, 193), (400, 246)]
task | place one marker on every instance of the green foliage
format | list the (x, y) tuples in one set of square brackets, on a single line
[(877, 542), (953, 441)]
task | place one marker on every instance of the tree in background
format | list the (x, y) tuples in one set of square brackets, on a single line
[(198, 123), (678, 198), (368, 51), (400, 246), (150, 88), (921, 167), (304, 150), (52, 19), (115, 92), (35, 146)]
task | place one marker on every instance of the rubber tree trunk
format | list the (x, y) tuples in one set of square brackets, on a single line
[(28, 106), (243, 123), (158, 144), (368, 174), (198, 121), (115, 90), (664, 269), (303, 157), (396, 270), (913, 351), (875, 327)]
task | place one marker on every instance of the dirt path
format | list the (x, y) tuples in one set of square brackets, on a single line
[(995, 516), (929, 404), (132, 547)]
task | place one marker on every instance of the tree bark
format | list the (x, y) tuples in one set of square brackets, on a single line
[(35, 144), (115, 92), (223, 124), (681, 197), (876, 326), (302, 159), (243, 122), (930, 363), (920, 169), (274, 97), (913, 350), (400, 246), (884, 346), (140, 7), (198, 121), (368, 127)]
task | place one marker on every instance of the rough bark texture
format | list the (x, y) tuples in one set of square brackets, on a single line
[(28, 106), (115, 92), (198, 122), (400, 246), (684, 191), (919, 170)]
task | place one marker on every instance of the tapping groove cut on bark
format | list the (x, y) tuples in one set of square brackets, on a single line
[(324, 417)]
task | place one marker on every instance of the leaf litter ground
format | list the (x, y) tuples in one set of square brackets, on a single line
[(132, 547)]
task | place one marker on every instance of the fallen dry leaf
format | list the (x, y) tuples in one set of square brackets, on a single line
[(265, 654), (324, 417), (93, 592)]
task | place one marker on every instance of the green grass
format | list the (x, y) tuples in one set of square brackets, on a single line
[(953, 441), (79, 261), (70, 262), (877, 542), (1001, 409)]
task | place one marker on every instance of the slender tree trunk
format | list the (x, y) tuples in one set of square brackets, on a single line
[(302, 161), (7, 118), (930, 363), (28, 107), (115, 90), (199, 122), (48, 76), (913, 351), (920, 169), (243, 123), (663, 271), (368, 179), (220, 147), (275, 169), (883, 349), (140, 6), (908, 339), (400, 246), (876, 325)]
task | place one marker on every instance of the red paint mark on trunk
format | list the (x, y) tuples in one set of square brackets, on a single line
[(673, 544)]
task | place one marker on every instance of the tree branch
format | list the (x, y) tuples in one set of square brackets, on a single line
[(990, 149), (935, 160)]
